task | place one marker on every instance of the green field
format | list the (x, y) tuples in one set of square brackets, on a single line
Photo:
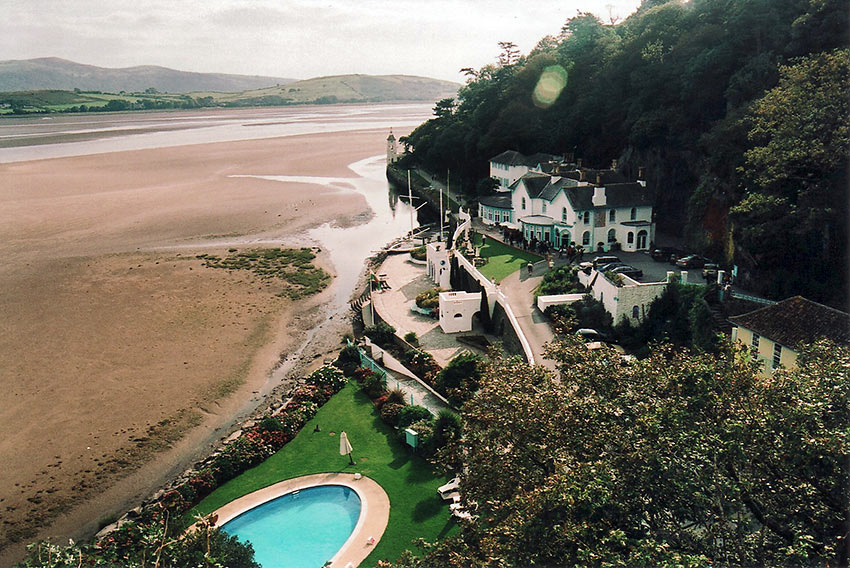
[(416, 511), (502, 260)]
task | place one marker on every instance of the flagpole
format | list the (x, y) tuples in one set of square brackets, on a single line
[(410, 200)]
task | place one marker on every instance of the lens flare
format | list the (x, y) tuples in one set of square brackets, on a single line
[(552, 81)]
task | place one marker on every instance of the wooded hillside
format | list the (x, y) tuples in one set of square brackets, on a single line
[(737, 110)]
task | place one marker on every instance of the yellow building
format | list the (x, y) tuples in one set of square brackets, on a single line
[(774, 333)]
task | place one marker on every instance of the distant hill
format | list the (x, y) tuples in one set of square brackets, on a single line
[(54, 73), (343, 88)]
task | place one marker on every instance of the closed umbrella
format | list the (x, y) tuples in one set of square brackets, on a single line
[(345, 447)]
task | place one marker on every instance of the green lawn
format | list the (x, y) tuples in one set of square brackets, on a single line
[(415, 508), (502, 259)]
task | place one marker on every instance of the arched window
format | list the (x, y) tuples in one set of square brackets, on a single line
[(630, 238), (585, 238), (633, 215), (635, 312), (586, 217), (612, 216), (612, 235), (563, 213), (641, 243)]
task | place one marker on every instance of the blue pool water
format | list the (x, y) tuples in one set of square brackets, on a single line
[(302, 529)]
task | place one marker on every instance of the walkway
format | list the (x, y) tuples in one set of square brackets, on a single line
[(519, 288)]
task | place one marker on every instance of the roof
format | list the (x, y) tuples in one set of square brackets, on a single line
[(797, 320), (510, 158), (534, 183), (514, 158), (630, 194), (502, 201)]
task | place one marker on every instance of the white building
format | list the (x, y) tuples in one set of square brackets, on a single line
[(510, 165), (457, 309), (562, 204), (624, 299)]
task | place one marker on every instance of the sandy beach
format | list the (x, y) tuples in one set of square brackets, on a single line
[(122, 358)]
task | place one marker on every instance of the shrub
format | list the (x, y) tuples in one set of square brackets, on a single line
[(425, 429), (421, 363), (410, 414), (397, 396), (447, 428), (382, 333), (327, 376), (361, 374), (348, 360), (270, 424), (461, 377), (390, 412), (419, 253), (562, 280), (374, 385), (429, 298), (411, 338)]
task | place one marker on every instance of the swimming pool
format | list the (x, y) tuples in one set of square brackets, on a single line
[(302, 529)]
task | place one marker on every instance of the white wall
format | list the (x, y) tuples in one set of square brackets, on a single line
[(619, 301), (439, 269), (457, 309)]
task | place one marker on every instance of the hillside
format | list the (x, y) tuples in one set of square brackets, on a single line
[(345, 88), (52, 73)]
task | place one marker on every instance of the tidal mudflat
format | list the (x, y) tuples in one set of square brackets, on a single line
[(122, 357)]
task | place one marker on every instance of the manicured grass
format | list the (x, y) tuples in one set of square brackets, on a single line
[(502, 259), (416, 511)]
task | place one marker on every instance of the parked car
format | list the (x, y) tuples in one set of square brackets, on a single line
[(692, 261), (609, 266), (629, 271), (605, 259), (662, 254), (709, 271), (588, 334)]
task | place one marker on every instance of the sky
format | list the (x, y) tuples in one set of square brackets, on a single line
[(296, 39)]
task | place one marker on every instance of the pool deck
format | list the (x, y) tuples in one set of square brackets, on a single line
[(374, 512)]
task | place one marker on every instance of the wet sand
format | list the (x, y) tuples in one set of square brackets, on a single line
[(116, 341)]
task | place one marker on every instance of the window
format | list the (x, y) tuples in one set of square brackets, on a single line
[(777, 355), (585, 238), (563, 213), (523, 203), (586, 217), (612, 236), (633, 214), (612, 216), (755, 342), (630, 238), (635, 312), (544, 207)]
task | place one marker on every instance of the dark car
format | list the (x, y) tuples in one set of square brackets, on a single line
[(692, 261), (662, 254), (588, 334), (629, 271), (609, 266)]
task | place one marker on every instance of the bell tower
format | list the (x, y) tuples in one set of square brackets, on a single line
[(392, 151)]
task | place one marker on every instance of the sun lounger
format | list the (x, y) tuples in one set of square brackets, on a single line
[(450, 486), (451, 496)]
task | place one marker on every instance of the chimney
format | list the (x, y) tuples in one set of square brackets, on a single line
[(640, 172), (614, 164), (599, 197), (578, 163), (598, 179)]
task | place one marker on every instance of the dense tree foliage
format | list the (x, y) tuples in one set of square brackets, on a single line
[(678, 88), (681, 459)]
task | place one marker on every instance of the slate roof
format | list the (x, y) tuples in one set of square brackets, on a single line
[(630, 194), (797, 320), (509, 158), (514, 158), (502, 201), (556, 184), (534, 183)]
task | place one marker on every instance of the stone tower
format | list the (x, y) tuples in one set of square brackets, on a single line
[(392, 151)]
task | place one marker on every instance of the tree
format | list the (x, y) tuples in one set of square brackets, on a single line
[(683, 458)]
